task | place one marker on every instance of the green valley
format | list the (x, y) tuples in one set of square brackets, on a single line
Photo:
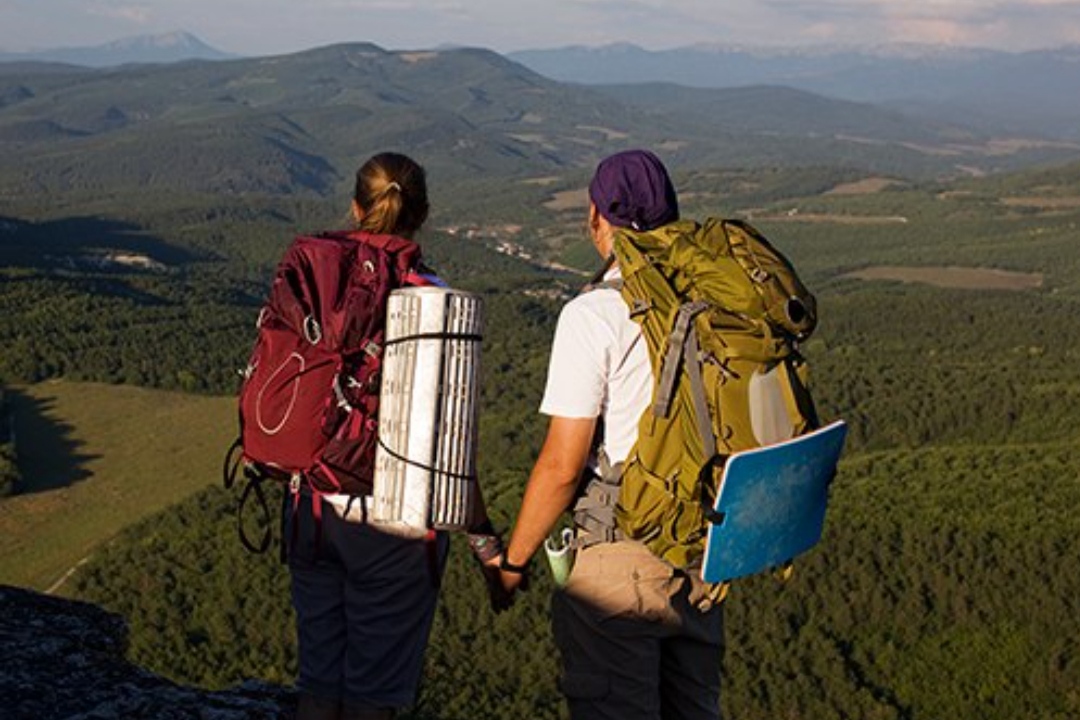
[(142, 211)]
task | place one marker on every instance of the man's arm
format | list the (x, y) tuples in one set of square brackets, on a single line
[(550, 490)]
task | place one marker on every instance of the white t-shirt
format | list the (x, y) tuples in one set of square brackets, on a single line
[(600, 368)]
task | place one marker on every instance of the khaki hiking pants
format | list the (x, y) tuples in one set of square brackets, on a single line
[(638, 638)]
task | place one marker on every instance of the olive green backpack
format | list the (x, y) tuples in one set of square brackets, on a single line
[(722, 313)]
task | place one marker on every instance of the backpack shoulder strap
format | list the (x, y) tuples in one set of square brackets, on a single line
[(392, 244), (405, 253), (597, 280)]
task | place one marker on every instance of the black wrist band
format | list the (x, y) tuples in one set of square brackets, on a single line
[(509, 567)]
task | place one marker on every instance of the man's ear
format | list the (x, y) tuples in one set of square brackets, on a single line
[(600, 229), (594, 217)]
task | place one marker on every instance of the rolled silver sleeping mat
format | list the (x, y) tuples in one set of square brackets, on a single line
[(425, 463)]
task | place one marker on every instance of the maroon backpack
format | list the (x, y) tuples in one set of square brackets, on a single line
[(310, 395)]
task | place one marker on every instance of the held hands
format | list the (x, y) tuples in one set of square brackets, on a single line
[(487, 548), (513, 577), (501, 599)]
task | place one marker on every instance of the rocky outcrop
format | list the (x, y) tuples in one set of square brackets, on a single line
[(65, 659)]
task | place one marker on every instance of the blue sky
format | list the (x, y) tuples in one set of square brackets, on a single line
[(256, 27)]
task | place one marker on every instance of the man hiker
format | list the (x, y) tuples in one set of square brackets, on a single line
[(638, 637)]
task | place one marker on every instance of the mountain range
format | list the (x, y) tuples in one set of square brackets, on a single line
[(992, 91), (1029, 92), (299, 122)]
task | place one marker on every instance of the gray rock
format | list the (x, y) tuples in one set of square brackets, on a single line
[(65, 659)]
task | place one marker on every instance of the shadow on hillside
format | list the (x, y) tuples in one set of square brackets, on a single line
[(76, 242), (49, 456)]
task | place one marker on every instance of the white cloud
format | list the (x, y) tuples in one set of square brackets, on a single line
[(270, 26), (137, 14), (1006, 24), (375, 5)]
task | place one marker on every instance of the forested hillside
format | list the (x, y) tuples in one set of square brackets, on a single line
[(9, 467), (942, 587), (946, 583), (296, 124)]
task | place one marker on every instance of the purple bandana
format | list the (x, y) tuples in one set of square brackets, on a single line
[(632, 189)]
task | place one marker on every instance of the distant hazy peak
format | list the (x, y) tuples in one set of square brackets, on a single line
[(164, 48), (897, 51), (176, 39)]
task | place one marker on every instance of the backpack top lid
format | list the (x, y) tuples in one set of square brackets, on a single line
[(321, 277), (752, 289)]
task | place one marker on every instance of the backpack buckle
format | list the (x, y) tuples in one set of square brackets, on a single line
[(342, 401), (312, 330), (639, 307)]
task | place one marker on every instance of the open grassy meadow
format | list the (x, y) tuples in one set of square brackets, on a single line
[(96, 458)]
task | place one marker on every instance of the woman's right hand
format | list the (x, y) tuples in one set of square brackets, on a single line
[(501, 598)]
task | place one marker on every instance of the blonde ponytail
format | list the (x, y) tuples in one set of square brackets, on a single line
[(391, 191)]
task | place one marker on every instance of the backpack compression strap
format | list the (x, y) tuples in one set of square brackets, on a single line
[(594, 509), (235, 464), (683, 349)]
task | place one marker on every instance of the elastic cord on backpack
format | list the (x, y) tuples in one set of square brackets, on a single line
[(471, 337), (428, 468)]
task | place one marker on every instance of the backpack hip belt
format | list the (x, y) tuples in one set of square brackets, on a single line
[(594, 509)]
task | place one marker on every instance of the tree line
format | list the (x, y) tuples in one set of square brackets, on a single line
[(9, 464), (939, 589)]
